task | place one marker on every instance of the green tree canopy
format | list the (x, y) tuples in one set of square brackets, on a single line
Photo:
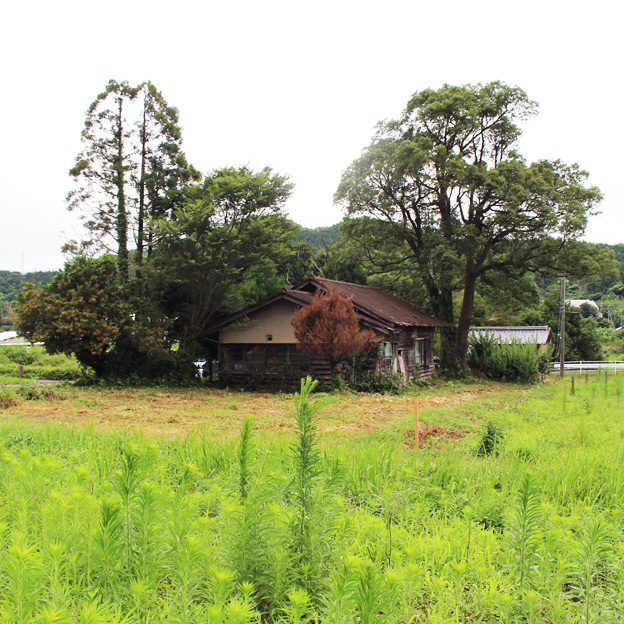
[(87, 311), (229, 234), (131, 168), (459, 201)]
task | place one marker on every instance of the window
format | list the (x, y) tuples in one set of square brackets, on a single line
[(419, 351)]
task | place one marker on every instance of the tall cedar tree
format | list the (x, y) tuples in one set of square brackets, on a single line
[(102, 169), (328, 329), (132, 169)]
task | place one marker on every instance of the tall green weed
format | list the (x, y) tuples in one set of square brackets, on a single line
[(111, 527)]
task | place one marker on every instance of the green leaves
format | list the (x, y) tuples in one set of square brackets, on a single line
[(447, 177), (88, 311), (524, 531), (230, 230), (307, 464), (591, 568), (245, 454), (131, 168)]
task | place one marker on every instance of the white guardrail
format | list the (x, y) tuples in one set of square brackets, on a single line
[(589, 367)]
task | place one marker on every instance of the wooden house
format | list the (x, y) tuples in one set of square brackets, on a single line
[(260, 340)]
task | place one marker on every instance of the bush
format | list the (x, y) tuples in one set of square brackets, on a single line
[(511, 362), (6, 400), (361, 376), (384, 383), (21, 355), (34, 393), (38, 364), (491, 437)]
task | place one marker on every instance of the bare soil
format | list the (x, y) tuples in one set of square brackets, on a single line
[(174, 412), (429, 434)]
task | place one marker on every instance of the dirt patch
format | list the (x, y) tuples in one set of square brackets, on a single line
[(429, 434), (459, 397)]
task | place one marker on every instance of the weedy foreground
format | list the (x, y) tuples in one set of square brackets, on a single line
[(517, 518)]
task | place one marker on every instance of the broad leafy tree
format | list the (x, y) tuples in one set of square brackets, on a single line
[(458, 201), (88, 311), (328, 329), (230, 234)]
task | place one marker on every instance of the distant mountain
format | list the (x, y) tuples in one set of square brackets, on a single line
[(319, 237), (11, 282)]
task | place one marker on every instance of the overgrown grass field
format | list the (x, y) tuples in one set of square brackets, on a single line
[(509, 511)]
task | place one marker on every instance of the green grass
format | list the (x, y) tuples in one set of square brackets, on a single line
[(37, 363), (102, 525), (14, 379)]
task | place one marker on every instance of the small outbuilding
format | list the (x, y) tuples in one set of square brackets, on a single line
[(260, 340), (11, 339), (590, 307), (540, 335)]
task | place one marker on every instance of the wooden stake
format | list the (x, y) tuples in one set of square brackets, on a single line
[(416, 426)]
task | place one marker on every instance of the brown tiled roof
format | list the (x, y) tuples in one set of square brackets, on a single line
[(374, 307), (300, 295), (374, 301)]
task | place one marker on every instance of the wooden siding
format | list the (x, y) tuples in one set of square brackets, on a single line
[(408, 352)]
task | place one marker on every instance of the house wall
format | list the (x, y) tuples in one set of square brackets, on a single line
[(405, 348), (274, 321), (410, 354)]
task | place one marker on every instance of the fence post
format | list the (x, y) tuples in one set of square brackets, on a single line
[(20, 371)]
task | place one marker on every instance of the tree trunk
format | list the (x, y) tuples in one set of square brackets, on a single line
[(141, 216), (122, 217), (449, 361), (465, 315)]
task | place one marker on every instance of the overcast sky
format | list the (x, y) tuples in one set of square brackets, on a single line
[(298, 86)]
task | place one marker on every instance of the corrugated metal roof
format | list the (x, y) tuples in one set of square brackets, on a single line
[(538, 334), (577, 303)]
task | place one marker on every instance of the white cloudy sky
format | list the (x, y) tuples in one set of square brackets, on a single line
[(294, 85)]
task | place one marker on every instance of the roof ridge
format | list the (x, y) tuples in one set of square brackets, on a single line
[(510, 327), (327, 279)]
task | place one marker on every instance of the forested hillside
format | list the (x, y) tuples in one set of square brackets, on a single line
[(11, 283), (319, 237)]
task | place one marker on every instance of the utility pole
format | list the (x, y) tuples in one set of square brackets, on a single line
[(562, 327)]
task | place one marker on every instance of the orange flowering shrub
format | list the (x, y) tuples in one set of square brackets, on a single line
[(86, 311)]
